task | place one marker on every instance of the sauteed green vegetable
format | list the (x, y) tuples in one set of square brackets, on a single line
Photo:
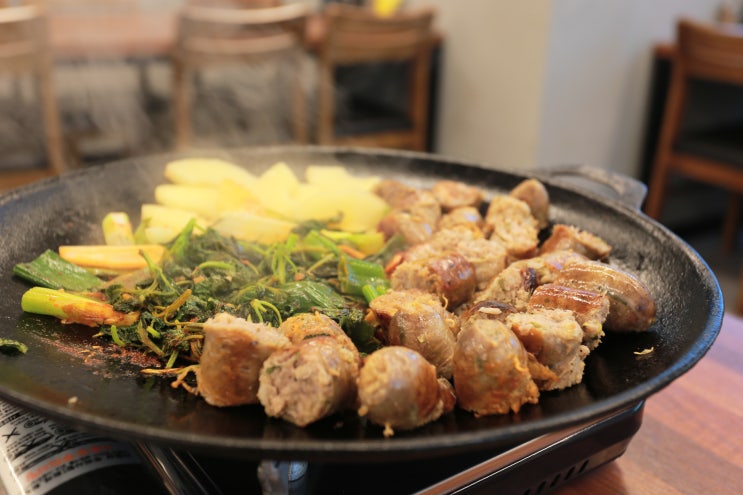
[(162, 307)]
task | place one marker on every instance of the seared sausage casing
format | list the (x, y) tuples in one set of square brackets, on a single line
[(491, 368), (234, 351), (399, 389), (448, 275), (308, 381), (631, 306)]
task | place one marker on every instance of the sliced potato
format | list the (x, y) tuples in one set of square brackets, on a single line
[(206, 172), (249, 226), (201, 200), (235, 197), (361, 210), (158, 234), (275, 188), (280, 173), (162, 223), (337, 176), (168, 216)]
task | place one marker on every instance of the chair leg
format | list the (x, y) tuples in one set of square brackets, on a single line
[(657, 191), (732, 221), (658, 184), (418, 93), (325, 105), (181, 106), (299, 107), (52, 124)]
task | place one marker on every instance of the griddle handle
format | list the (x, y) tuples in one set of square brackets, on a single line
[(617, 186)]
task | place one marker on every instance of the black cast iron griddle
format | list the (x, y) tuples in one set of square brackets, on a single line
[(97, 391)]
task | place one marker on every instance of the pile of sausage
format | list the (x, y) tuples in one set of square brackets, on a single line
[(481, 316)]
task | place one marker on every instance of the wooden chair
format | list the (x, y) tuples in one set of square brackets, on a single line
[(213, 36), (712, 155), (24, 50), (354, 36)]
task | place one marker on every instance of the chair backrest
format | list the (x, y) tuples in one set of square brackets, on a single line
[(710, 51), (357, 35), (230, 36), (90, 5), (23, 44), (24, 49), (214, 35), (250, 4)]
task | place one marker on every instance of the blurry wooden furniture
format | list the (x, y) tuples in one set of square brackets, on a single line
[(212, 36), (97, 46), (711, 154), (24, 50), (75, 35), (354, 36), (251, 4)]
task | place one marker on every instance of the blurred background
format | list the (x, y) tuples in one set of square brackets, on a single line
[(521, 85)]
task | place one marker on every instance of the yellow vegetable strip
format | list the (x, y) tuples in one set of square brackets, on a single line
[(112, 257)]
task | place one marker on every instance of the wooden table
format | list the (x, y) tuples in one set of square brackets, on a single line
[(691, 438)]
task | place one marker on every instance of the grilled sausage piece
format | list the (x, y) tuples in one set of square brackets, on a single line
[(464, 216), (554, 337), (385, 306), (515, 284), (426, 329), (308, 381), (491, 368), (455, 194), (399, 389), (494, 310), (512, 286), (511, 223), (589, 308), (631, 305), (533, 193), (548, 265), (304, 326), (234, 351), (448, 275), (488, 258), (397, 194), (415, 213), (570, 238)]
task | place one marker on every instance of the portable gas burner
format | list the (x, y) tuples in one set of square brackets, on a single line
[(533, 467)]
